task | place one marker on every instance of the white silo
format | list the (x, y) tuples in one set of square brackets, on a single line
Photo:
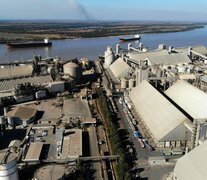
[(5, 111), (8, 166), (132, 83), (49, 70), (2, 120), (117, 48), (162, 46), (109, 57), (189, 52), (129, 46), (10, 121), (124, 83), (181, 69), (141, 46)]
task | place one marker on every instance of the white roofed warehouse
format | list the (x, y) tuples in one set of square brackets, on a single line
[(193, 102), (162, 123), (119, 68), (192, 165)]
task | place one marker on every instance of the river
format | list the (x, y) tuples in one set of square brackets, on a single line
[(93, 47)]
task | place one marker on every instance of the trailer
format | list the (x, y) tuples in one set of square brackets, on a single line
[(141, 143)]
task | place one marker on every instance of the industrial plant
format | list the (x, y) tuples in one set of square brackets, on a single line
[(64, 119), (163, 93)]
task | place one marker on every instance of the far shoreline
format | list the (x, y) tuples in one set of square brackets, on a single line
[(86, 33)]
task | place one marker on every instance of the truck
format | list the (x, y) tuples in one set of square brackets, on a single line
[(136, 134)]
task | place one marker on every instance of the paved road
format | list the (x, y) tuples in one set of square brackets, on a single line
[(94, 152), (142, 153)]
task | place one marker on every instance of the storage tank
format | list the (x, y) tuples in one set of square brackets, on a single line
[(73, 70), (54, 171), (141, 46), (2, 120), (181, 69), (132, 83), (162, 46), (124, 83), (49, 70), (10, 121), (5, 111), (117, 48), (8, 166), (129, 46), (109, 57)]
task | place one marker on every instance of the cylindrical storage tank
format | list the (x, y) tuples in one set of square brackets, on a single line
[(51, 170), (10, 121), (117, 48), (49, 70), (73, 70), (124, 83), (8, 169), (162, 46), (181, 69), (141, 46), (109, 57), (188, 70), (2, 120), (5, 111), (132, 83), (129, 46)]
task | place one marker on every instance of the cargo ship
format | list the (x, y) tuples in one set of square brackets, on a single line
[(135, 38), (45, 43)]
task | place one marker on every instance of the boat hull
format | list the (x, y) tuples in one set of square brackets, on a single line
[(129, 39), (29, 44)]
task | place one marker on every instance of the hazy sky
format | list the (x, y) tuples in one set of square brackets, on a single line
[(172, 10)]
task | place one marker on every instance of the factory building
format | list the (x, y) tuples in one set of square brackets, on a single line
[(56, 87), (161, 122), (192, 165), (33, 152), (21, 115), (163, 57), (193, 102), (15, 72)]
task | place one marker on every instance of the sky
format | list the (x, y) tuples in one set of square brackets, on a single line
[(154, 10)]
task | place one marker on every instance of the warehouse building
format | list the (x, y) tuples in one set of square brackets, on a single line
[(193, 102), (163, 57), (119, 68), (22, 115), (192, 165), (162, 123)]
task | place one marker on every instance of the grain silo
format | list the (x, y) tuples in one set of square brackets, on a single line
[(132, 83), (73, 70), (8, 166), (109, 57), (124, 83)]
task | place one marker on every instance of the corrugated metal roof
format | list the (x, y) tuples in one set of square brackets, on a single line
[(158, 113), (193, 165), (161, 57), (34, 151), (119, 68), (199, 48), (189, 98), (16, 71), (24, 113)]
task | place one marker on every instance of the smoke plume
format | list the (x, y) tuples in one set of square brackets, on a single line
[(78, 10)]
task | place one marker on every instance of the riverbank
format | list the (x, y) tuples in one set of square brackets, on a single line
[(31, 31)]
